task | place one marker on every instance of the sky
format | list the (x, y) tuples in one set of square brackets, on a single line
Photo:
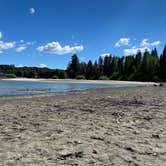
[(46, 33)]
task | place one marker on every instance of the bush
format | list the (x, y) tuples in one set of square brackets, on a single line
[(10, 75), (80, 77), (103, 78), (55, 77), (115, 76)]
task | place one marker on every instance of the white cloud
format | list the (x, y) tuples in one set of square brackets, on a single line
[(21, 41), (20, 65), (56, 48), (122, 42), (105, 54), (21, 48), (146, 43), (6, 45), (42, 65), (0, 35), (134, 50), (32, 11)]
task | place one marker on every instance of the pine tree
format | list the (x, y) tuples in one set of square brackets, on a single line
[(107, 63), (73, 67), (162, 69), (89, 70)]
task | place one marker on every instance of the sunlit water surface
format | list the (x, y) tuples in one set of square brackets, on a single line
[(8, 87)]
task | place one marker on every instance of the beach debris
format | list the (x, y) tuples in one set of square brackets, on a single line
[(128, 148), (100, 138), (156, 136), (67, 154), (94, 151)]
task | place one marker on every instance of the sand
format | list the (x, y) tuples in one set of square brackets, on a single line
[(82, 81), (110, 127)]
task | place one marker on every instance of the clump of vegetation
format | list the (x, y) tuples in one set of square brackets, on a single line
[(10, 75), (55, 77), (103, 78), (80, 77)]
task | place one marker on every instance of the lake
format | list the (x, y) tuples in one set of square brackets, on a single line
[(8, 87)]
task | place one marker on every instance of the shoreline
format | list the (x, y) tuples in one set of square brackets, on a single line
[(81, 81)]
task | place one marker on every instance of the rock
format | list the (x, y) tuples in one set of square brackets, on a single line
[(97, 137), (155, 136), (94, 151), (78, 154), (66, 154), (130, 149)]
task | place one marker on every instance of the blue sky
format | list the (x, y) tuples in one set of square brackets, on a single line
[(47, 32)]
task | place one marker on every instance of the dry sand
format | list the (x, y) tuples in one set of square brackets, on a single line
[(110, 127), (82, 81)]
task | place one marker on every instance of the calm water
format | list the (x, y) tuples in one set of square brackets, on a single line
[(28, 87)]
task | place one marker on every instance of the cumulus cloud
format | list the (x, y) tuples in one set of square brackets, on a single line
[(56, 48), (21, 48), (6, 45), (42, 65), (146, 43), (122, 42), (32, 11), (133, 50)]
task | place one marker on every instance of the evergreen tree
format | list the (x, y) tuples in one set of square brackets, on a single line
[(73, 67), (89, 70), (101, 66), (106, 67), (129, 67), (162, 69), (155, 68)]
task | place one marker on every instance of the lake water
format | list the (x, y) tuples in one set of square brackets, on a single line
[(8, 87)]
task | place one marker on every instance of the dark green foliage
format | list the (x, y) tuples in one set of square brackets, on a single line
[(73, 67), (103, 78), (89, 71), (33, 72), (10, 75), (162, 69), (80, 77), (139, 67), (107, 65)]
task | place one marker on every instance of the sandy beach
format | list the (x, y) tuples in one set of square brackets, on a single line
[(81, 81), (109, 127)]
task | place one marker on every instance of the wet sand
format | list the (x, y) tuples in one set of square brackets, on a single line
[(110, 127)]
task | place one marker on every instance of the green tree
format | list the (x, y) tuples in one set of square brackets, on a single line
[(89, 70), (107, 63), (162, 69), (101, 66), (73, 67)]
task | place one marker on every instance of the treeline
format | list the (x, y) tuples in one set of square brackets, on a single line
[(31, 72), (147, 66)]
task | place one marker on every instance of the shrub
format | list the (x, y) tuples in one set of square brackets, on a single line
[(55, 77), (103, 78), (115, 76), (80, 77), (10, 75)]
